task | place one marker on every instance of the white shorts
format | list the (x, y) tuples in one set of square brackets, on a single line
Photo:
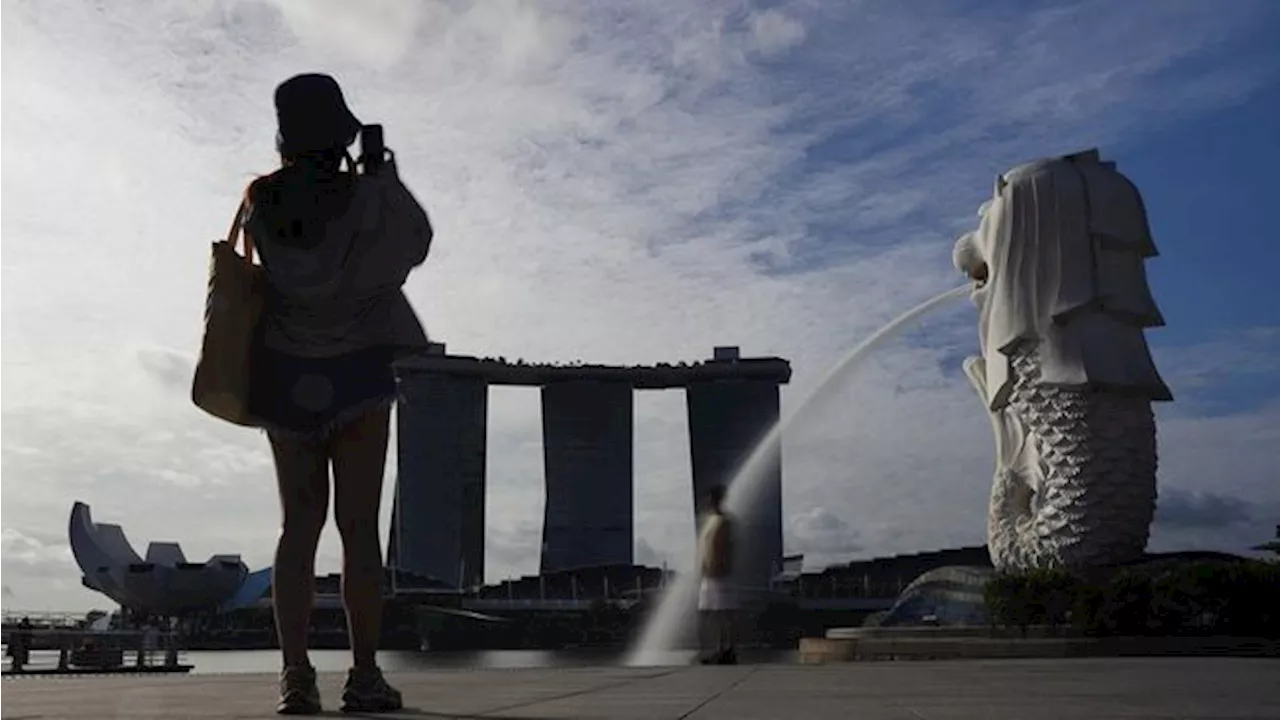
[(716, 594)]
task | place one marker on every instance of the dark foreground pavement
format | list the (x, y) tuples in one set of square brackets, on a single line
[(1096, 689)]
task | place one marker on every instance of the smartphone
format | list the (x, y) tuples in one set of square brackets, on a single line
[(372, 150)]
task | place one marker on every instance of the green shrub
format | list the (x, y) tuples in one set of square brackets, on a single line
[(1004, 598), (1052, 594), (1203, 597), (1036, 597), (1118, 606)]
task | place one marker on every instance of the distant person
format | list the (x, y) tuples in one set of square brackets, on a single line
[(336, 246), (20, 645), (717, 601), (26, 638)]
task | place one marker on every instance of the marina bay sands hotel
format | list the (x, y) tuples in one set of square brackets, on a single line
[(438, 518)]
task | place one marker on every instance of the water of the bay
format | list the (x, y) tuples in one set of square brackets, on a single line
[(268, 661), (256, 661)]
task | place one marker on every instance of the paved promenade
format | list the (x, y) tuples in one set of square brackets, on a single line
[(1093, 689)]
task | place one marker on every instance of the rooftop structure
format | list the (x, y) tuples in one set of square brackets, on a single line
[(726, 365)]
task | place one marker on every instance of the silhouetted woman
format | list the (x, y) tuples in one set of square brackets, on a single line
[(337, 246)]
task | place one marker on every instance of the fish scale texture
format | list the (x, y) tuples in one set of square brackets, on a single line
[(1095, 498)]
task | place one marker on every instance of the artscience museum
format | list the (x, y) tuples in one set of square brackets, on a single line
[(161, 582)]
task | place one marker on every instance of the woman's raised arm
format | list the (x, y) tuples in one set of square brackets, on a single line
[(406, 221)]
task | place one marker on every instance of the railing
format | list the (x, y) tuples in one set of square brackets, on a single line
[(818, 587), (43, 652), (55, 619), (845, 603), (532, 604)]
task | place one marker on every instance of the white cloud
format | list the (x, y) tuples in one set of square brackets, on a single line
[(822, 537), (624, 185), (377, 33), (40, 572), (1201, 509), (34, 550), (774, 32), (1237, 353)]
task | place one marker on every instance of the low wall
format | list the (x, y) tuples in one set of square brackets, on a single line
[(871, 644)]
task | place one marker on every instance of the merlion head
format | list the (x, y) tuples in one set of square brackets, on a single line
[(970, 260), (1057, 263)]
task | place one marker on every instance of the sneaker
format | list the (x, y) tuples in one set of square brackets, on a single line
[(367, 691), (298, 692)]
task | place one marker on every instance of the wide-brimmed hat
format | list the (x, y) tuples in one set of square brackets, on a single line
[(312, 115)]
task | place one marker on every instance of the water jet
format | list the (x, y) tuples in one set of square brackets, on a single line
[(675, 614)]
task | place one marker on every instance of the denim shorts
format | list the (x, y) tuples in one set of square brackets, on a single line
[(312, 398)]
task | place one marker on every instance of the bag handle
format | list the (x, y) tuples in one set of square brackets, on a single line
[(237, 232)]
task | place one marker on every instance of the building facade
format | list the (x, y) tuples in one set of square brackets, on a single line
[(588, 521), (438, 514), (727, 420)]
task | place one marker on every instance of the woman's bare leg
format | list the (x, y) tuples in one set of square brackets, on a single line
[(359, 456), (302, 474)]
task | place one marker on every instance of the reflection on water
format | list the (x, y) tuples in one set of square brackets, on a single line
[(268, 661)]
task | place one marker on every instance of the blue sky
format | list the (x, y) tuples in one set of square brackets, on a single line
[(1210, 187), (632, 183)]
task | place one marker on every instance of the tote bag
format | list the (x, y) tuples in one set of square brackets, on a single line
[(232, 310)]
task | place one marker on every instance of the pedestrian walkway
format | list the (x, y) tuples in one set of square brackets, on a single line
[(1096, 689)]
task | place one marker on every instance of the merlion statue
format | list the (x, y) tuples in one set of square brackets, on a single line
[(1065, 371)]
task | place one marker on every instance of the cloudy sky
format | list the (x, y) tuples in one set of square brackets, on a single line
[(630, 183)]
